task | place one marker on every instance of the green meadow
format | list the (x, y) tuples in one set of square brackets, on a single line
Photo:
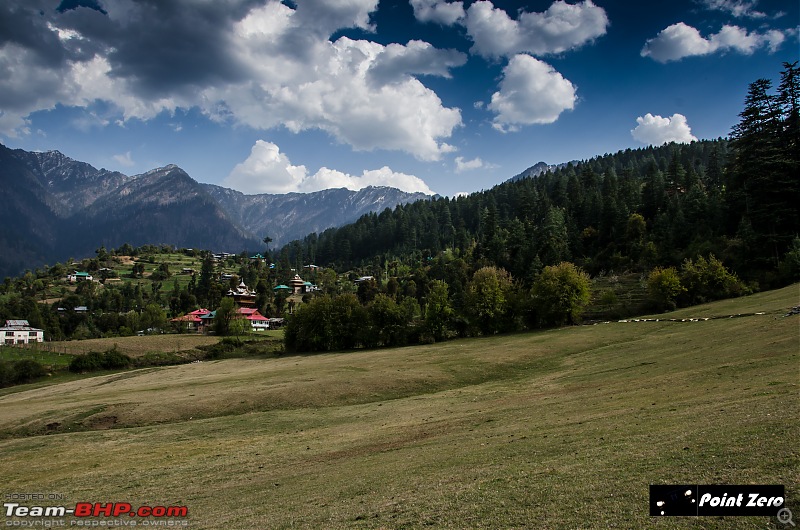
[(564, 428)]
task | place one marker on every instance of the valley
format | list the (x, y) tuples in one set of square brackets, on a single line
[(557, 428)]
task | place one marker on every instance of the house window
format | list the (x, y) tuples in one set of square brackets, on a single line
[(33, 333), (9, 341), (9, 333)]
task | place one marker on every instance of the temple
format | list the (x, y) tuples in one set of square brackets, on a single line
[(243, 296)]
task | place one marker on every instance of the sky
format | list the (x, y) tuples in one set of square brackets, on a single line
[(444, 97)]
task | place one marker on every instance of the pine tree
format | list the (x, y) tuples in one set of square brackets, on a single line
[(760, 186)]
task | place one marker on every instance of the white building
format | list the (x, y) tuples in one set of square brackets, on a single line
[(78, 276), (20, 332)]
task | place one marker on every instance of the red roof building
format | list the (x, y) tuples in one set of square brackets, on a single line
[(191, 321)]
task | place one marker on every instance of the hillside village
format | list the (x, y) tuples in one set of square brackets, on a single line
[(155, 290)]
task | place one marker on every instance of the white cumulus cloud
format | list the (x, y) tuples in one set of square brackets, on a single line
[(268, 170), (531, 92), (560, 28), (681, 40), (656, 130), (438, 11), (264, 66), (469, 165)]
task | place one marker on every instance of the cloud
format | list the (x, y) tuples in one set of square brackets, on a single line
[(396, 62), (560, 28), (531, 92), (468, 165), (737, 8), (124, 159), (681, 40), (438, 11), (257, 63), (267, 170), (655, 130)]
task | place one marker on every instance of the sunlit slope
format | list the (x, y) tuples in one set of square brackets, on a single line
[(565, 428)]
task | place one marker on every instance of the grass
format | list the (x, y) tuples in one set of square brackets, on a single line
[(53, 359), (557, 429), (137, 346)]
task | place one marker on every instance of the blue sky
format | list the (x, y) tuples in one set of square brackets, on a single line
[(424, 95)]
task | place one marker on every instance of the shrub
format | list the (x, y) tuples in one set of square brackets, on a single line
[(708, 279), (27, 370), (19, 372), (113, 359), (6, 374), (663, 288), (88, 362)]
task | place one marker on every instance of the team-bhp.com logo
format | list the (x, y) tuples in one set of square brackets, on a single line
[(87, 514)]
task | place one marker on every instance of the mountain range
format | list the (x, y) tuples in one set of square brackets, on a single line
[(56, 207)]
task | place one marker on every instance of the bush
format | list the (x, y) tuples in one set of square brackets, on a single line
[(19, 372), (27, 370), (708, 279), (112, 359), (663, 288), (6, 374), (88, 362)]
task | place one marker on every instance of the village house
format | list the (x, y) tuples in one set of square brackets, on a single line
[(258, 322), (202, 320), (77, 276), (191, 322), (20, 332)]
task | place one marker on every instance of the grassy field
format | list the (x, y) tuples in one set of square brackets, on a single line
[(54, 358), (136, 346), (556, 429)]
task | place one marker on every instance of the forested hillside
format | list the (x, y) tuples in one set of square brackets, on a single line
[(634, 210)]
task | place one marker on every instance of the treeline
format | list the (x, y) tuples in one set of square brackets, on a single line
[(635, 210), (702, 221), (489, 302), (492, 303)]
